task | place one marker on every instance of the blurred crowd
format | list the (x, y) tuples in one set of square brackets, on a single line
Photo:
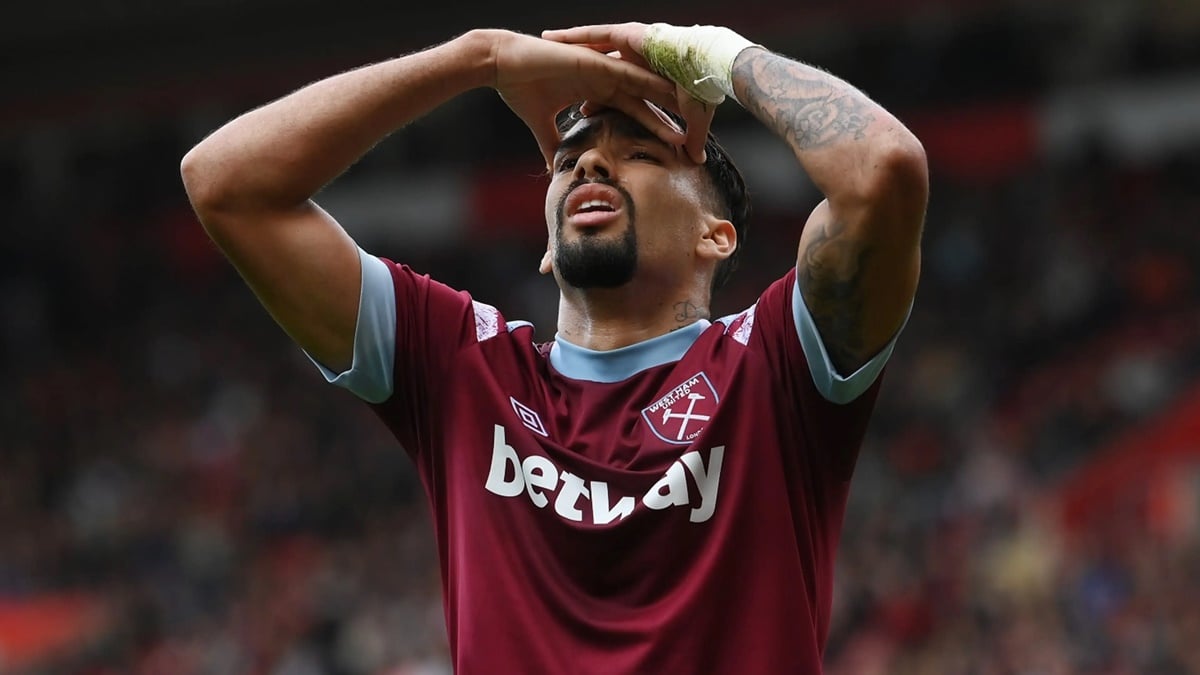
[(1057, 313), (171, 457)]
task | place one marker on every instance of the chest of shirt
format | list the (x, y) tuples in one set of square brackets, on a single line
[(595, 453)]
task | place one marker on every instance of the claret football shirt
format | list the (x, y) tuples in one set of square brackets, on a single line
[(669, 507)]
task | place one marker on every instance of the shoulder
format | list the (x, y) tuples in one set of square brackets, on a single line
[(781, 325)]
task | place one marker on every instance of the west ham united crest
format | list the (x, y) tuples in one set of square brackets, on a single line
[(682, 413)]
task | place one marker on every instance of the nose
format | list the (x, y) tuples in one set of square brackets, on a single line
[(592, 163)]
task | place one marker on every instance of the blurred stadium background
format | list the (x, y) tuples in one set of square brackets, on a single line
[(180, 493)]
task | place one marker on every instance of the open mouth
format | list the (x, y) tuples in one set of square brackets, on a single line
[(593, 204)]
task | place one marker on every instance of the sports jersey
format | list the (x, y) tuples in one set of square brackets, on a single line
[(669, 507)]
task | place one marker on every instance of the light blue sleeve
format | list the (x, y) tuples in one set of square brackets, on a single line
[(834, 387), (370, 374)]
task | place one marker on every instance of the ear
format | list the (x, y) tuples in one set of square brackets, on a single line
[(719, 240), (547, 264)]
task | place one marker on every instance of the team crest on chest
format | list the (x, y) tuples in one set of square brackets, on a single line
[(682, 413)]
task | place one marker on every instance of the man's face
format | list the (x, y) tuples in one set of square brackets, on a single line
[(622, 203)]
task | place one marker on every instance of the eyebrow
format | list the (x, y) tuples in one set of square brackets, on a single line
[(620, 124)]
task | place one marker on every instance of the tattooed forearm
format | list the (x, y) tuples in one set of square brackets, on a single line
[(829, 272), (807, 106), (687, 312)]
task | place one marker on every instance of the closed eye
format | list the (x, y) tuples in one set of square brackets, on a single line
[(642, 155)]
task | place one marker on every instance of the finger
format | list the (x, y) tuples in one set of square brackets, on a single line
[(545, 132), (602, 47), (621, 35), (611, 75), (621, 50), (588, 108), (698, 115), (630, 56), (666, 119), (581, 34), (544, 128), (645, 115)]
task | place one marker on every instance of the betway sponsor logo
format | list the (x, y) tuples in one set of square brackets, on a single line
[(576, 498)]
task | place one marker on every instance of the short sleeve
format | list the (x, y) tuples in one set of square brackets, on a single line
[(434, 323), (409, 332), (834, 387), (829, 411), (370, 374)]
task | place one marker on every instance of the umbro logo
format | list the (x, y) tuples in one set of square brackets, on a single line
[(528, 417)]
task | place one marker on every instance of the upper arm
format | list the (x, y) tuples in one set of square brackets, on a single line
[(303, 267), (858, 264)]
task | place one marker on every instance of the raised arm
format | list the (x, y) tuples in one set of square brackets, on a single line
[(859, 255), (252, 180)]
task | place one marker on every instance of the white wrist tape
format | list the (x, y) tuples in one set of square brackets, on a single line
[(699, 58)]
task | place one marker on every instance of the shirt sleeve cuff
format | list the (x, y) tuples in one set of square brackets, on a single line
[(370, 376), (834, 387)]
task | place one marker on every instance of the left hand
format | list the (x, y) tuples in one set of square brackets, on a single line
[(538, 78), (625, 40)]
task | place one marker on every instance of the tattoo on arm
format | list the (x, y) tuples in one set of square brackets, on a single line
[(687, 312), (807, 106), (813, 110), (830, 277)]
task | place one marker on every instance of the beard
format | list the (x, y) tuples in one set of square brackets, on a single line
[(595, 260)]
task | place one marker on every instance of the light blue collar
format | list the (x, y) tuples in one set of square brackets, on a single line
[(614, 365)]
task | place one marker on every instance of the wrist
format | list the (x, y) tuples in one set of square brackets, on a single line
[(479, 50), (698, 58)]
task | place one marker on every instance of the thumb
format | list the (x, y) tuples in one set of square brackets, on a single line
[(546, 134)]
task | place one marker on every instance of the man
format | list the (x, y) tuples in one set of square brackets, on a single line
[(652, 493)]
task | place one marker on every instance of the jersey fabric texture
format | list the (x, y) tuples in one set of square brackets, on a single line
[(669, 507)]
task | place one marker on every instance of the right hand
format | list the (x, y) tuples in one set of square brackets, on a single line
[(538, 78)]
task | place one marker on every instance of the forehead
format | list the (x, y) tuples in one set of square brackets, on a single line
[(585, 129)]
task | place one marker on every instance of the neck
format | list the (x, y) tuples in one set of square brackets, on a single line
[(611, 318)]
